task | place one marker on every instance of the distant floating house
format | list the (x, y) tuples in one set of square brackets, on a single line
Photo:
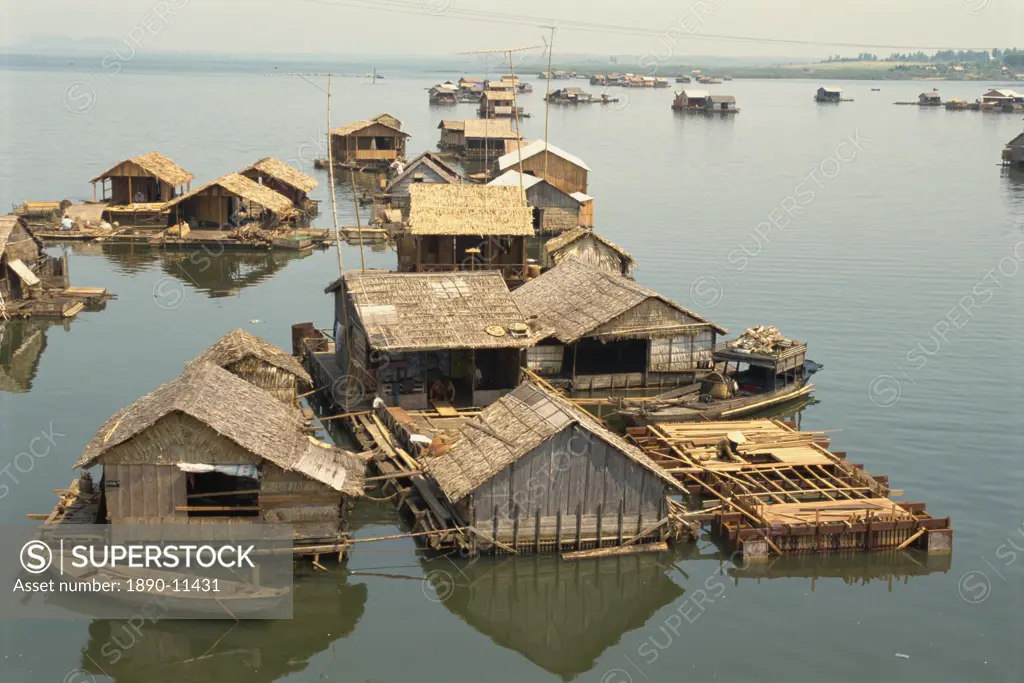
[(570, 96), (565, 171), (487, 138), (466, 227), (408, 331), (285, 180), (211, 447), (426, 168), (259, 363), (590, 247), (611, 332), (453, 136), (1013, 152), (931, 98), (146, 179), (441, 94), (554, 211), (26, 271), (660, 82), (721, 104), (231, 201), (691, 100), (533, 470), (371, 142), (1003, 97), (498, 103), (829, 95)]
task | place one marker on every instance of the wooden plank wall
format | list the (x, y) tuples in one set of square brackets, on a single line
[(150, 492)]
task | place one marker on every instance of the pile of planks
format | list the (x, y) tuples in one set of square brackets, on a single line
[(762, 340)]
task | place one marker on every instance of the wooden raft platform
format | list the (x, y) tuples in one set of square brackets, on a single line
[(771, 489)]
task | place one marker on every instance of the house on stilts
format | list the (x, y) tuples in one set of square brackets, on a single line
[(610, 332)]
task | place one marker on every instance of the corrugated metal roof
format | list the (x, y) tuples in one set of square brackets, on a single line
[(534, 148)]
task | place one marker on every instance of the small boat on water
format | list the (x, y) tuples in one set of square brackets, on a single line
[(770, 370)]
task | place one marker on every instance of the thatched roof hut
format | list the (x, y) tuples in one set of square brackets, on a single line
[(17, 241), (242, 414), (579, 300), (421, 311), (507, 430), (468, 210), (258, 362), (282, 172), (152, 174), (589, 246), (210, 203)]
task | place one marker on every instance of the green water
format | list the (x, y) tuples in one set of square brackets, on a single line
[(892, 242)]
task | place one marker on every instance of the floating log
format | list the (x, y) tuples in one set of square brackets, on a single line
[(659, 547)]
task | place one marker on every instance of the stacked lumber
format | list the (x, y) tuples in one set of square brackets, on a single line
[(762, 340)]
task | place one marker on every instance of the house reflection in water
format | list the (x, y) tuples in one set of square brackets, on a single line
[(22, 343), (214, 651)]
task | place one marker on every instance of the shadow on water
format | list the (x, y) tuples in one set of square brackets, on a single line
[(22, 343), (563, 615), (326, 608), (214, 272)]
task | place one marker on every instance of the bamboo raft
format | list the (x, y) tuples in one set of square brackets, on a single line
[(773, 489)]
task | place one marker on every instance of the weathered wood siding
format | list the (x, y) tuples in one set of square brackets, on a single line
[(21, 246), (561, 173), (312, 508), (574, 477), (145, 493)]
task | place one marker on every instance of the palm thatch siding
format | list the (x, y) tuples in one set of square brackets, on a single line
[(218, 203), (281, 178), (260, 363), (20, 252), (158, 178), (601, 315), (533, 467), (406, 330), (590, 247), (207, 416)]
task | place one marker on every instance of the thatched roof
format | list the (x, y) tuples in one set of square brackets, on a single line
[(279, 170), (499, 95), (509, 429), (7, 225), (236, 410), (575, 298), (240, 186), (447, 173), (381, 120), (155, 164), (493, 129), (569, 236), (448, 124), (238, 345), (468, 210), (425, 311), (512, 158)]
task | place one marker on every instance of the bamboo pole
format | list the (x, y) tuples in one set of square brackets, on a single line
[(337, 231), (547, 103)]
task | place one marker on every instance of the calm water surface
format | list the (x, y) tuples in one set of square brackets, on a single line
[(900, 271)]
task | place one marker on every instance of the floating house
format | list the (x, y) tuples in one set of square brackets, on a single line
[(496, 103), (611, 332), (285, 180), (721, 104), (554, 211), (371, 142), (442, 94), (691, 100), (229, 202), (565, 171), (1013, 153), (829, 95), (660, 82), (31, 282), (590, 247), (146, 179), (408, 332), (487, 138), (426, 168), (209, 447), (930, 99), (504, 84), (468, 82), (532, 470), (453, 136), (466, 227), (259, 363), (1003, 97), (570, 96)]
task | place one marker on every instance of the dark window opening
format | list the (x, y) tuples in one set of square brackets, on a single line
[(595, 358), (213, 494)]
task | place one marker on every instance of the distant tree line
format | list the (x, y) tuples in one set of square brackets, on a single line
[(1010, 57)]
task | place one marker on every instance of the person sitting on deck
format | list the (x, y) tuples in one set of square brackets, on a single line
[(437, 392), (66, 223), (139, 197)]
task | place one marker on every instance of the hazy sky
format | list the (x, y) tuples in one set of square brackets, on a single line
[(442, 27)]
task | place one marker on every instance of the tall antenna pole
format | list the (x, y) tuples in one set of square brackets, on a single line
[(547, 101), (515, 115), (337, 236)]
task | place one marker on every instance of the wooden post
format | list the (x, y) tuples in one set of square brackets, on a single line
[(558, 531), (600, 522), (621, 511), (536, 533), (579, 524)]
